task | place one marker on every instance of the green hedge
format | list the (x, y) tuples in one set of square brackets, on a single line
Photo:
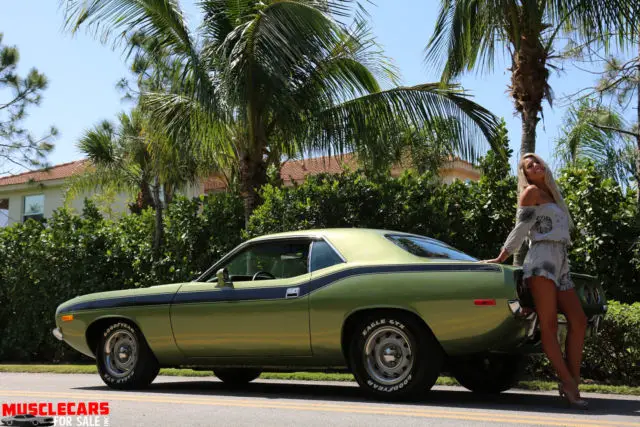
[(44, 265)]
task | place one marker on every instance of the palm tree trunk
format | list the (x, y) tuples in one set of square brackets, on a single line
[(529, 86), (159, 226), (253, 175), (253, 169)]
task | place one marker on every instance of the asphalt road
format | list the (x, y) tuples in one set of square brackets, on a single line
[(180, 401)]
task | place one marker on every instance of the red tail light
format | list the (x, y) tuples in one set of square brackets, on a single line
[(484, 302)]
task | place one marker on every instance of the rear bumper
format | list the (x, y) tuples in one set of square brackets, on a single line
[(532, 325)]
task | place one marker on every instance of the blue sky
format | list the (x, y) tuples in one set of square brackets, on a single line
[(83, 73)]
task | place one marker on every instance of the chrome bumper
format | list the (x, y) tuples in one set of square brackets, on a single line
[(593, 323), (58, 334)]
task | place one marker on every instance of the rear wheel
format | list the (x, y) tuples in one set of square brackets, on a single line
[(124, 359), (394, 357), (489, 373), (236, 376)]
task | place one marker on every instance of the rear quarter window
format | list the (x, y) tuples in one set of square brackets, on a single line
[(428, 248), (323, 256)]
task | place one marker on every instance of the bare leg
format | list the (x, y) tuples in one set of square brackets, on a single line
[(544, 293), (569, 304)]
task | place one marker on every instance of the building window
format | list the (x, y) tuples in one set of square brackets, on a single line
[(4, 212), (34, 207)]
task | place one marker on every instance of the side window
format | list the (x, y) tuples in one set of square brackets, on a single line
[(323, 256), (428, 248), (278, 259)]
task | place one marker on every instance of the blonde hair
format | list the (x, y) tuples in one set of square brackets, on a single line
[(523, 183)]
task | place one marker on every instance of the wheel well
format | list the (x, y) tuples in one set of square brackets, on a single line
[(352, 321), (96, 328)]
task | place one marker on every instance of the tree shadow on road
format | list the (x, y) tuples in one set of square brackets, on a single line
[(438, 397)]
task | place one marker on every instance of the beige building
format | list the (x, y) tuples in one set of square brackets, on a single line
[(37, 194)]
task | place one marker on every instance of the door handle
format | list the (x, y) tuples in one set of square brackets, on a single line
[(292, 293)]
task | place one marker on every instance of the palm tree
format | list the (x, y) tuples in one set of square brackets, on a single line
[(589, 134), (272, 78), (130, 157), (469, 33)]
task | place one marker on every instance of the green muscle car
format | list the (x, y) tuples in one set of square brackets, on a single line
[(395, 309)]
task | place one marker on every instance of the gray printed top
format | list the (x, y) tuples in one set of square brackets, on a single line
[(542, 222)]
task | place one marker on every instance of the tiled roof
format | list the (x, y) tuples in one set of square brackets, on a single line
[(64, 170), (297, 170), (292, 170), (214, 183)]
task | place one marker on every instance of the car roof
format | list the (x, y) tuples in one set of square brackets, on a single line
[(332, 232), (357, 244)]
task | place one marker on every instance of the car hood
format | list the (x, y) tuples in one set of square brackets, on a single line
[(98, 296)]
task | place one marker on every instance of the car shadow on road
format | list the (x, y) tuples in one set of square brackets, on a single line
[(439, 397)]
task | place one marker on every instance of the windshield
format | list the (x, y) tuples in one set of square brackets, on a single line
[(428, 248)]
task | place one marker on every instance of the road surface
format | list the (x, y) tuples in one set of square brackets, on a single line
[(183, 401)]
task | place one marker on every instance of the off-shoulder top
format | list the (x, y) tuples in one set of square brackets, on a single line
[(546, 222)]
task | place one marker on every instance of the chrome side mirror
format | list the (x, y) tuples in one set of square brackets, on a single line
[(223, 278)]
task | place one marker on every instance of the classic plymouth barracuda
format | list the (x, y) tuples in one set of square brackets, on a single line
[(395, 309), (27, 420)]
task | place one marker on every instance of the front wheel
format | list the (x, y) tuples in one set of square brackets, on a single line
[(488, 374), (236, 376), (124, 359), (393, 357)]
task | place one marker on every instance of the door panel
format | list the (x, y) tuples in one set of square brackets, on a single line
[(244, 321)]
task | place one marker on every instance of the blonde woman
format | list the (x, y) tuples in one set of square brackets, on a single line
[(543, 217)]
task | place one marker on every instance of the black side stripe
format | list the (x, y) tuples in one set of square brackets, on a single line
[(271, 293)]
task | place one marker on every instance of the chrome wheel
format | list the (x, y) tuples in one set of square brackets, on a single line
[(388, 355), (120, 353)]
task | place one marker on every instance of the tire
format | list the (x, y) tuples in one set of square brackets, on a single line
[(489, 373), (236, 376), (134, 367), (393, 357)]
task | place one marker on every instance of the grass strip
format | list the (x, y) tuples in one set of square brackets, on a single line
[(311, 376)]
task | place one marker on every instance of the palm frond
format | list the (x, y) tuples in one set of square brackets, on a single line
[(100, 179), (468, 32), (161, 20), (182, 124), (588, 136), (264, 51), (385, 115), (595, 19), (98, 144)]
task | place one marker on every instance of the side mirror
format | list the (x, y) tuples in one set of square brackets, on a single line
[(223, 278)]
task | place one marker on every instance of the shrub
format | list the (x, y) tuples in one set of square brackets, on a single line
[(47, 264), (612, 356)]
